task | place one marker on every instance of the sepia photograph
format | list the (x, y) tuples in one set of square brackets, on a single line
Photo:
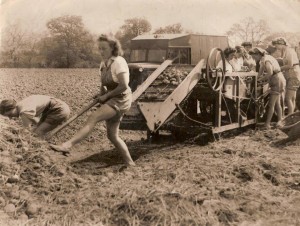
[(149, 113)]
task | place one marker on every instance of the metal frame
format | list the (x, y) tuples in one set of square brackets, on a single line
[(240, 123), (157, 113)]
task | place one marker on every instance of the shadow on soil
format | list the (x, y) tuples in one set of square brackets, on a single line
[(111, 157)]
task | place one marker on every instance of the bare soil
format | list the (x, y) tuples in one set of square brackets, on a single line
[(240, 179)]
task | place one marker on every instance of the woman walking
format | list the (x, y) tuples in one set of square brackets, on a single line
[(115, 97)]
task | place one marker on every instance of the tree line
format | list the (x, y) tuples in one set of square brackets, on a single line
[(68, 44)]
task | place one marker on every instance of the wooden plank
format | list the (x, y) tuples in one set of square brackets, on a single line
[(138, 92), (233, 126), (150, 111), (157, 113)]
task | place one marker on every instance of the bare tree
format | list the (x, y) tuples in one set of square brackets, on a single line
[(132, 28), (70, 43), (248, 30), (30, 51), (12, 42), (170, 29)]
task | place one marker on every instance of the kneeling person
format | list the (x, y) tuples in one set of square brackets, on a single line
[(43, 111)]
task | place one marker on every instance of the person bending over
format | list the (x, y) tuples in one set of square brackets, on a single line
[(269, 65), (38, 113)]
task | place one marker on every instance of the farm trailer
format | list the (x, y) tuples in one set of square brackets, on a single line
[(187, 99)]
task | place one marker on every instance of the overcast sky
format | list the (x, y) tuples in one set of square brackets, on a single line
[(203, 16)]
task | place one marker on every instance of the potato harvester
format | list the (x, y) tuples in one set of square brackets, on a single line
[(190, 99)]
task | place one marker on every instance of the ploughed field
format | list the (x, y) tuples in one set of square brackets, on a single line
[(242, 179)]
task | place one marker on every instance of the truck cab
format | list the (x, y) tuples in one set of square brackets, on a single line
[(150, 51)]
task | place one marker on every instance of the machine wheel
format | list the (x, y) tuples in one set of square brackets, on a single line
[(215, 76)]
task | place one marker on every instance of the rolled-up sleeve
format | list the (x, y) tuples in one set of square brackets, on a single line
[(120, 66)]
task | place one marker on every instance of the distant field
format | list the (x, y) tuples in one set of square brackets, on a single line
[(74, 86)]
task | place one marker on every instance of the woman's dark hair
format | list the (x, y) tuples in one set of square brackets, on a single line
[(228, 51), (240, 49), (113, 43), (7, 105)]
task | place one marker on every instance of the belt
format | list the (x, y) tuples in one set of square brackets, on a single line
[(121, 94)]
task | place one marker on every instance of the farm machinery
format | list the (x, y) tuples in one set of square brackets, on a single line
[(189, 99), (178, 86)]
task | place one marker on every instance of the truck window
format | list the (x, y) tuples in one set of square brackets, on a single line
[(157, 55), (184, 55), (138, 55)]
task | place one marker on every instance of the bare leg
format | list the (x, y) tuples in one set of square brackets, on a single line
[(290, 101), (272, 102), (105, 112), (113, 136), (278, 109)]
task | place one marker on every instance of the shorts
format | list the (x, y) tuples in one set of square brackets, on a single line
[(56, 113), (277, 83), (121, 104), (292, 83), (292, 78)]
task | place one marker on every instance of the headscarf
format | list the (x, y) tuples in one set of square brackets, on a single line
[(279, 41), (259, 50)]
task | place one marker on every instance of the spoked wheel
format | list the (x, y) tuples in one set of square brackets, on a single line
[(215, 71)]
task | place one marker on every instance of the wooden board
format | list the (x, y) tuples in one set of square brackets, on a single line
[(157, 113)]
